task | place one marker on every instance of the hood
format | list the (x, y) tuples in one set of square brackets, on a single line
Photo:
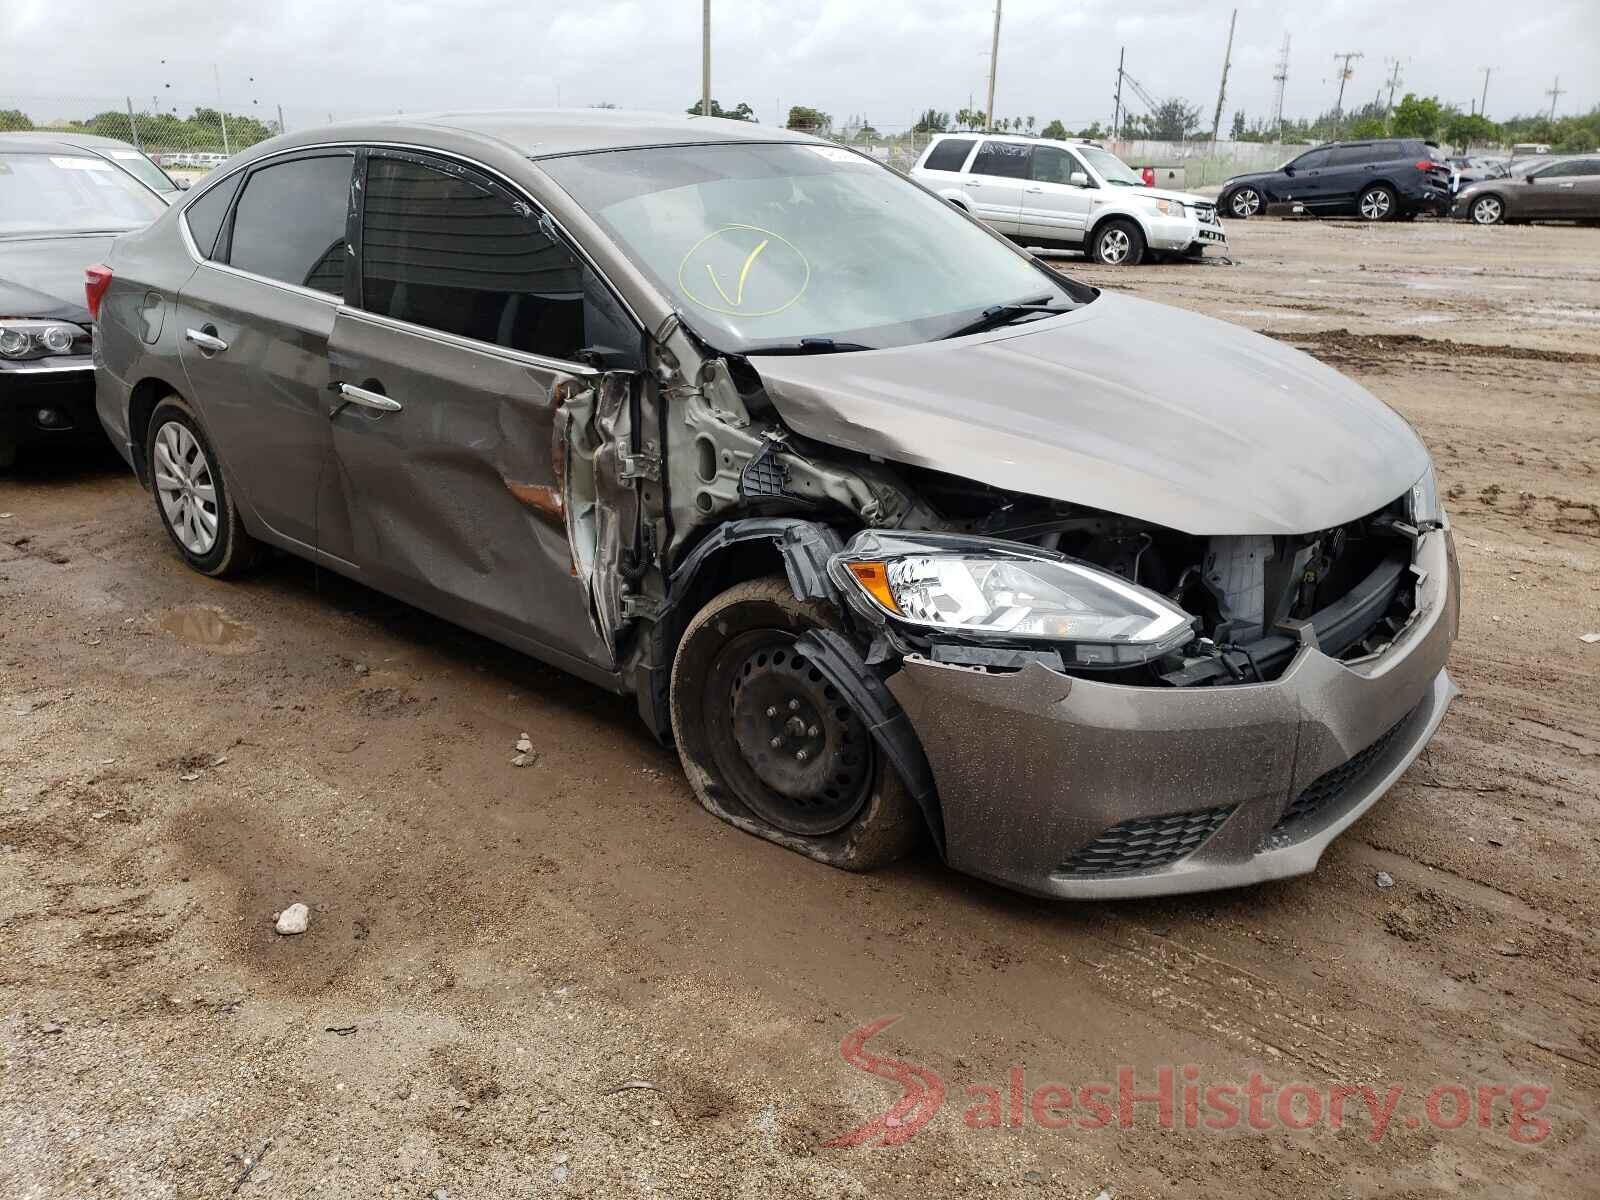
[(1188, 198), (1123, 405), (43, 276)]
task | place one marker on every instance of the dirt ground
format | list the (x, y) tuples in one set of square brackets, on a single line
[(566, 979)]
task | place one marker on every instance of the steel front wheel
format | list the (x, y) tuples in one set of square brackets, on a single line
[(1244, 203), (191, 494), (770, 746), (1377, 204), (1488, 210), (1118, 243)]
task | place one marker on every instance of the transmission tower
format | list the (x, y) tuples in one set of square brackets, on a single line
[(1280, 77)]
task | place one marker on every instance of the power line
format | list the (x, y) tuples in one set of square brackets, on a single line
[(1280, 77), (1222, 88)]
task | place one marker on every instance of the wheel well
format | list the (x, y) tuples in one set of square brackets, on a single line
[(142, 401), (1113, 216), (954, 203), (1372, 183)]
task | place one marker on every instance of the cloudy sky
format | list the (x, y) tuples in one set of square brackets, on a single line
[(887, 59)]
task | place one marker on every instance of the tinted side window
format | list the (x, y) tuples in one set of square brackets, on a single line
[(1348, 156), (461, 256), (1006, 159), (948, 155), (206, 214), (1306, 162), (289, 224), (1053, 166), (1565, 170)]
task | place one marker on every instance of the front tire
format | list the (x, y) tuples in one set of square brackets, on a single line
[(1377, 203), (191, 494), (1487, 209), (770, 746), (1118, 243), (1244, 203)]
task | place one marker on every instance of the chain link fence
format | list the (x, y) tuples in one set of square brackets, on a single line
[(188, 140)]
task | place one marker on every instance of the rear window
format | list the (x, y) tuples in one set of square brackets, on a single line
[(948, 155), (1009, 160), (290, 222), (71, 193)]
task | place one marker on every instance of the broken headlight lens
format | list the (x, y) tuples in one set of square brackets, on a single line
[(1422, 502), (37, 339), (1000, 590)]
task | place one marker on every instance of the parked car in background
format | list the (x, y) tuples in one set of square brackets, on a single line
[(1473, 168), (896, 532), (1076, 195), (60, 206), (1565, 189), (1380, 180), (120, 154)]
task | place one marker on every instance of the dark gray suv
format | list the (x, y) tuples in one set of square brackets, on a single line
[(1380, 180), (876, 516)]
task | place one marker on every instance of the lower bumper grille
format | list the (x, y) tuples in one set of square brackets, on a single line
[(1146, 843), (1327, 789)]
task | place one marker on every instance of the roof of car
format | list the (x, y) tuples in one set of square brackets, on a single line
[(37, 141), (540, 133)]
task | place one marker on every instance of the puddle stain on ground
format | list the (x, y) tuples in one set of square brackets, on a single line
[(208, 628)]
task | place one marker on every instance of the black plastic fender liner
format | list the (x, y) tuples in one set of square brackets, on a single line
[(836, 657), (805, 547)]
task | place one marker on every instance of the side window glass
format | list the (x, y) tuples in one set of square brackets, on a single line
[(948, 155), (1053, 166), (290, 222), (1348, 156), (1310, 162), (205, 215), (454, 254), (1009, 160)]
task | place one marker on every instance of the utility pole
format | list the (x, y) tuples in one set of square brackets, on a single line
[(133, 125), (1344, 77), (1222, 88), (994, 62), (1116, 112), (705, 58), (1483, 101), (1394, 83), (282, 128), (1555, 93), (221, 115), (1280, 77)]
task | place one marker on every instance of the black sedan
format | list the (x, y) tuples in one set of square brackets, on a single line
[(59, 210)]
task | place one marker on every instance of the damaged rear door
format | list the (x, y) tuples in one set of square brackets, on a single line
[(462, 414)]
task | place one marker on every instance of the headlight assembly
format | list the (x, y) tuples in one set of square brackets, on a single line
[(21, 339), (1422, 502), (980, 589)]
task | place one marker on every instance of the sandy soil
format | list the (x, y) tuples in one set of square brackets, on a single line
[(496, 953)]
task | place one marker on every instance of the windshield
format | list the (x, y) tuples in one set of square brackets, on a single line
[(69, 193), (142, 169), (759, 246), (1111, 168)]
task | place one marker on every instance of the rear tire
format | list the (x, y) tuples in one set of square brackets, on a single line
[(1118, 243), (770, 747), (1377, 203), (191, 494)]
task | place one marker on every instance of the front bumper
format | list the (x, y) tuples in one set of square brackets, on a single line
[(62, 389), (1062, 786), (1179, 233)]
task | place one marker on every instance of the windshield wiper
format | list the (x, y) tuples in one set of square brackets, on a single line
[(1004, 314), (810, 345)]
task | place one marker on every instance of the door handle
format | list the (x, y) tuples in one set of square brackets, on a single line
[(208, 342), (1566, 185), (1032, 191), (368, 399), (974, 183)]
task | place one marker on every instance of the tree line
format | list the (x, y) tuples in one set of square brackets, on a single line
[(201, 130)]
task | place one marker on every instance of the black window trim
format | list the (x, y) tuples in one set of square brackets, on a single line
[(974, 142), (358, 148)]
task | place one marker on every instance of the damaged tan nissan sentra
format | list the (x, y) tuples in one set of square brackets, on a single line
[(898, 534)]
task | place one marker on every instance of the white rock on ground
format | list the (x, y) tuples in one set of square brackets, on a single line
[(294, 919)]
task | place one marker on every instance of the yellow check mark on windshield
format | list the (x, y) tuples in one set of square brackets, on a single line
[(737, 299)]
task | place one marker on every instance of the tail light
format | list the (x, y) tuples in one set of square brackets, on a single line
[(96, 280), (1427, 164)]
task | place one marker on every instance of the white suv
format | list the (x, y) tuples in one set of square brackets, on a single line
[(1073, 194)]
